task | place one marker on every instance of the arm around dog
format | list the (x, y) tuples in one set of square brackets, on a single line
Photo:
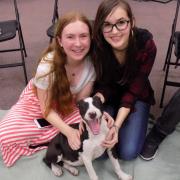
[(72, 134)]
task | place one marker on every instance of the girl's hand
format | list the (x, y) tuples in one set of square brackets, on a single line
[(73, 137), (81, 127), (111, 138), (109, 119)]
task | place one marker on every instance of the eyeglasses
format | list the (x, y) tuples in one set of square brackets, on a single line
[(120, 26)]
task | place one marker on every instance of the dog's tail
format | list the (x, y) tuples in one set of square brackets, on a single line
[(38, 145)]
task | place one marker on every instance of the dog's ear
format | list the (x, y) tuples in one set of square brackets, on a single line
[(98, 103), (97, 98)]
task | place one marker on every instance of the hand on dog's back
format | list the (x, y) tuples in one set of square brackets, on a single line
[(73, 137), (81, 127)]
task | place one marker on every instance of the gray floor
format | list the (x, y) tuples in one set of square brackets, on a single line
[(166, 165), (35, 17)]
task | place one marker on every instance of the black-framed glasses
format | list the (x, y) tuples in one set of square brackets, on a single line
[(120, 26)]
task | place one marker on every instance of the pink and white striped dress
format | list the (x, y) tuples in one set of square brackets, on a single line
[(18, 130)]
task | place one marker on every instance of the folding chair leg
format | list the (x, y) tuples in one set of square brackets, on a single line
[(168, 52), (25, 73), (22, 54), (23, 44), (176, 63), (24, 66), (163, 91), (166, 75)]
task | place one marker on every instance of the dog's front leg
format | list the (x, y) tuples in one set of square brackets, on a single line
[(89, 167), (121, 175)]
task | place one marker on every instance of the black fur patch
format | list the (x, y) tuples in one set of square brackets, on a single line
[(114, 151), (97, 103), (83, 107), (59, 146)]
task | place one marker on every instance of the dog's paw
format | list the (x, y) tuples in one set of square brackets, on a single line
[(126, 177), (57, 170), (94, 178), (74, 171)]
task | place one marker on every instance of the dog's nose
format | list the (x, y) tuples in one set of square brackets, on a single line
[(92, 115)]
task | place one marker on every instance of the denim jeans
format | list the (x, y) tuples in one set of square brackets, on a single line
[(133, 131)]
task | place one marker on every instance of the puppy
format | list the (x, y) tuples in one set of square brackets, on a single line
[(59, 154)]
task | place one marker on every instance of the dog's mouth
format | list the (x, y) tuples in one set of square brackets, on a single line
[(94, 126)]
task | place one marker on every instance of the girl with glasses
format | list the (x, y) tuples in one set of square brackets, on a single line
[(123, 58)]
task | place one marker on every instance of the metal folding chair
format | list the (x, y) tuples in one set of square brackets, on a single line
[(174, 42), (50, 30), (9, 30)]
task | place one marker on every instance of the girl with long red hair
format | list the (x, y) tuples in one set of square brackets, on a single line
[(64, 75)]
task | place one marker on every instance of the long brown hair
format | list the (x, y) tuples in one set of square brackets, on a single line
[(60, 96), (103, 52)]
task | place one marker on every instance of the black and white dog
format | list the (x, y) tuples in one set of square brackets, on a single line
[(59, 154)]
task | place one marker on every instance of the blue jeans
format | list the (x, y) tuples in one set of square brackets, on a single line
[(133, 131)]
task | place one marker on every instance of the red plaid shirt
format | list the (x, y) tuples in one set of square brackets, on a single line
[(139, 88)]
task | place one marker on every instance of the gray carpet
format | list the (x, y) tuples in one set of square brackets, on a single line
[(166, 165)]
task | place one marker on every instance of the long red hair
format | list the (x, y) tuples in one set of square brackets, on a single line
[(60, 96)]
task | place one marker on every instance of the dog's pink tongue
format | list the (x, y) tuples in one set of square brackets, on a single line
[(94, 126)]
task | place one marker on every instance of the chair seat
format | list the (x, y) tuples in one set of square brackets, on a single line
[(50, 31), (177, 44), (11, 29), (7, 30)]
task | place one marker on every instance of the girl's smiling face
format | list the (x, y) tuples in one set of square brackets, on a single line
[(75, 40), (118, 38)]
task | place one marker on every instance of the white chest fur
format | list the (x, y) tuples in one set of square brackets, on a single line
[(92, 147)]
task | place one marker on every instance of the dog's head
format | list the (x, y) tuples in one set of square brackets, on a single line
[(91, 111)]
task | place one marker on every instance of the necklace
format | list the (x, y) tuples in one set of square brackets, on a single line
[(74, 73)]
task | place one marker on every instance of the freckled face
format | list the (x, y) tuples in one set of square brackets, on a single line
[(75, 40), (118, 39)]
